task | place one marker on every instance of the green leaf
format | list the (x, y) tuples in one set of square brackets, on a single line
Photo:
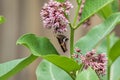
[(63, 62), (97, 33), (2, 19), (103, 45), (115, 70), (10, 68), (88, 74), (115, 51), (78, 1), (42, 47), (106, 11), (48, 71), (60, 0), (37, 45), (115, 5), (91, 7), (109, 9)]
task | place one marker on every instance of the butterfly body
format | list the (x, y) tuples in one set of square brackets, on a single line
[(62, 39)]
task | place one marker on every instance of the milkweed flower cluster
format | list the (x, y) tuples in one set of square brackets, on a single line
[(81, 8), (96, 61), (53, 15)]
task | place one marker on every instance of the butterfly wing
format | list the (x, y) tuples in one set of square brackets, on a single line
[(62, 39)]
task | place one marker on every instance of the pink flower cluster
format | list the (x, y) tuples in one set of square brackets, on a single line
[(53, 15), (96, 61), (81, 8)]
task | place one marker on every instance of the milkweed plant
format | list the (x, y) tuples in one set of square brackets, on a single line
[(95, 56)]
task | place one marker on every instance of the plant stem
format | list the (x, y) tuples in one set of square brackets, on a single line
[(72, 30), (108, 71), (71, 37), (71, 41), (108, 43), (76, 16), (98, 75), (82, 67), (108, 63)]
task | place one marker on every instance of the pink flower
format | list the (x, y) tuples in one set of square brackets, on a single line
[(96, 61), (77, 50), (67, 5), (53, 16)]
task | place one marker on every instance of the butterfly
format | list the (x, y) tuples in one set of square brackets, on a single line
[(62, 39)]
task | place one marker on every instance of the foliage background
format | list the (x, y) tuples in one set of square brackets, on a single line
[(22, 16)]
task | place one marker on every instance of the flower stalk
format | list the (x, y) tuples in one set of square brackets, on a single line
[(108, 63), (71, 41)]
